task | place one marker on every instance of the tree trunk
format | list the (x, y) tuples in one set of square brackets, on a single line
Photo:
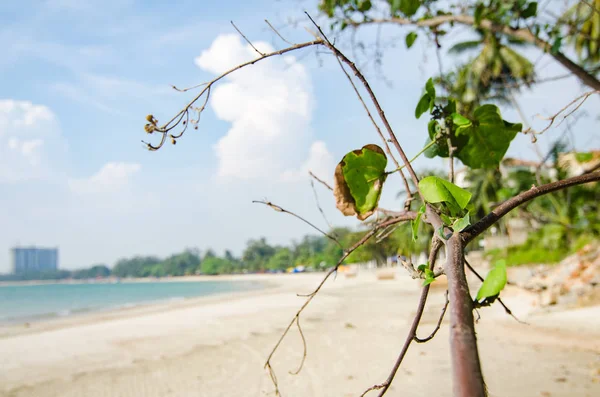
[(466, 368)]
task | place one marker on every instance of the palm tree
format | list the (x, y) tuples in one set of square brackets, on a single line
[(491, 74), (583, 23)]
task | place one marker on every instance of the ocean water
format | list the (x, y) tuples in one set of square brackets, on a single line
[(33, 302)]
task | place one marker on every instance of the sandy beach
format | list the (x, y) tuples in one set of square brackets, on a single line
[(217, 346)]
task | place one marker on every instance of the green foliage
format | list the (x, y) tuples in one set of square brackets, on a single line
[(462, 223), (489, 137), (438, 190), (359, 178), (410, 39), (583, 20), (427, 101), (493, 283)]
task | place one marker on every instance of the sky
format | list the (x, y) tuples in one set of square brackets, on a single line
[(78, 78)]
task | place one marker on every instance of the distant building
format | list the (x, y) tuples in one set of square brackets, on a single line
[(33, 259)]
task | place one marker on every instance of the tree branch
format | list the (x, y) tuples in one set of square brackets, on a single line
[(436, 244), (523, 34), (484, 223), (466, 368)]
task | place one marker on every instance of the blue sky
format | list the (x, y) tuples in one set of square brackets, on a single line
[(77, 79)]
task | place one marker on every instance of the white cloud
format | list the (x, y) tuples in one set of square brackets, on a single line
[(269, 106), (320, 162), (112, 177), (29, 141)]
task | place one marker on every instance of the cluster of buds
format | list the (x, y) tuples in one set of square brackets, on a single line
[(151, 126)]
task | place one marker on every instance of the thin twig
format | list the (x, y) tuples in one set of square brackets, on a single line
[(582, 98), (312, 185), (280, 209), (436, 244), (320, 180), (375, 101), (247, 41), (439, 323), (506, 309), (167, 126), (385, 143), (277, 32), (310, 296), (296, 372)]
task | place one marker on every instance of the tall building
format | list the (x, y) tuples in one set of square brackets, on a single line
[(33, 259)]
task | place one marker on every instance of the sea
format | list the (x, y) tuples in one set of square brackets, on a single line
[(24, 303)]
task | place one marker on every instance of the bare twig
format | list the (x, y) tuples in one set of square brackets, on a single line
[(436, 244), (320, 180), (312, 185), (296, 372), (374, 100), (506, 309), (277, 32), (524, 34), (247, 41), (333, 270), (439, 323), (581, 99), (280, 209), (175, 120)]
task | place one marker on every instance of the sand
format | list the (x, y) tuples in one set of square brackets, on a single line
[(216, 346)]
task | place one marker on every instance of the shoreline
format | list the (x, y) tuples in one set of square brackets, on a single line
[(131, 280), (28, 325), (216, 345)]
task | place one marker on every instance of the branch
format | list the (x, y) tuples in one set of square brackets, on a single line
[(506, 309), (582, 98), (522, 34), (439, 323), (320, 180), (374, 100), (279, 209), (436, 244), (484, 223), (295, 319), (466, 368), (165, 128)]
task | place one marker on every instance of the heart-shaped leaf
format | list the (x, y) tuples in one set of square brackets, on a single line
[(438, 190), (359, 178), (488, 137)]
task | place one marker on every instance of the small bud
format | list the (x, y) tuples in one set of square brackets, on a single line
[(196, 127), (183, 122), (150, 118), (173, 141), (149, 128)]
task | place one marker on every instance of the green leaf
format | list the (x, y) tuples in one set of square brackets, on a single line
[(438, 190), (409, 7), (430, 89), (460, 224), (584, 157), (359, 178), (478, 13), (415, 224), (410, 39), (487, 138), (423, 105), (429, 276), (494, 282), (460, 120), (556, 46), (530, 11), (446, 219), (422, 268), (364, 5)]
